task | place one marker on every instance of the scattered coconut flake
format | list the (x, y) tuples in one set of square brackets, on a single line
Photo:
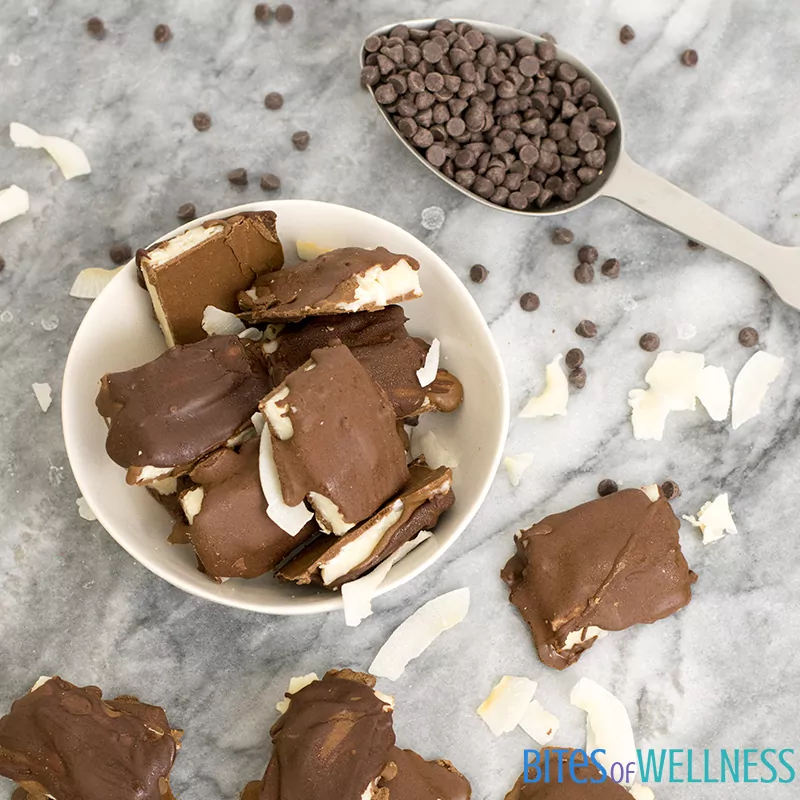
[(217, 322), (640, 792), (751, 385), (649, 414), (13, 203), (39, 683), (714, 519), (308, 251), (418, 632), (192, 502), (432, 218), (290, 519), (70, 158), (44, 395), (652, 491), (507, 703), (675, 377), (608, 726), (84, 510), (539, 723), (436, 454), (254, 334), (91, 281), (553, 400), (516, 465), (357, 595), (427, 375), (295, 685), (714, 392)]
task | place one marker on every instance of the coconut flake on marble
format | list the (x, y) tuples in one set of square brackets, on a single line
[(714, 519), (714, 392), (516, 466), (14, 202), (553, 399), (507, 703), (84, 510), (751, 386), (539, 723), (91, 281), (44, 395), (71, 160), (295, 685)]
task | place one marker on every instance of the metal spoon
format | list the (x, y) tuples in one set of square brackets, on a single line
[(624, 180)]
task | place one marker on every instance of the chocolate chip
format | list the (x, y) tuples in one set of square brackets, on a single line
[(386, 94), (610, 268), (577, 378), (626, 34), (587, 329), (584, 273), (478, 273), (432, 51), (748, 337), (518, 201), (201, 121), (120, 253), (270, 182), (187, 212), (566, 72), (546, 50), (238, 176), (262, 12), (563, 236), (274, 100), (649, 342), (529, 301), (548, 37), (670, 490), (96, 28), (162, 34), (693, 245), (689, 58), (587, 254), (574, 358), (607, 487), (300, 140), (284, 13)]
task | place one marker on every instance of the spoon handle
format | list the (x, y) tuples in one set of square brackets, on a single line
[(665, 203)]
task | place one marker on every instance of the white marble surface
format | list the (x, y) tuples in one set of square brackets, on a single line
[(723, 672)]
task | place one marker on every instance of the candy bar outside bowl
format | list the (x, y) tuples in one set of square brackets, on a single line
[(624, 180), (119, 332)]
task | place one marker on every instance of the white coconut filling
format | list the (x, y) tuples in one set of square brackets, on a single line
[(192, 502), (165, 486), (278, 416), (181, 243), (149, 474), (652, 491), (241, 437), (217, 322), (359, 550), (328, 511), (295, 685), (427, 374), (41, 682), (582, 635), (380, 287)]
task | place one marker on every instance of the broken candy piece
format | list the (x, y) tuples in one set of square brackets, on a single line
[(553, 399), (751, 385), (334, 560), (335, 440), (207, 265), (337, 282), (409, 777), (65, 741), (229, 528), (333, 741), (602, 566), (507, 703), (170, 412), (714, 519)]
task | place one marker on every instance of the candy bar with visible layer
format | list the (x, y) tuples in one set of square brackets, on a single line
[(65, 741), (602, 566), (333, 560), (228, 525), (167, 414), (335, 440), (208, 265), (337, 282)]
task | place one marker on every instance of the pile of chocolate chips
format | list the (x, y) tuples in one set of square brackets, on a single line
[(509, 121)]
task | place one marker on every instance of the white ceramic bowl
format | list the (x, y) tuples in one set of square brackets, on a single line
[(119, 332)]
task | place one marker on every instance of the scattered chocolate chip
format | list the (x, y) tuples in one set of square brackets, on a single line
[(274, 100), (626, 34), (587, 329), (262, 12), (689, 58), (548, 37), (584, 273), (693, 245), (748, 337), (670, 490), (529, 301), (120, 253), (96, 27), (574, 357), (649, 342), (187, 212), (577, 378), (201, 121), (607, 487), (587, 254), (238, 176), (478, 273), (610, 268), (563, 236), (284, 13), (270, 182), (162, 34), (301, 139)]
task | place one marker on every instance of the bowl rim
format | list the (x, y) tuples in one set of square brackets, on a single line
[(69, 410)]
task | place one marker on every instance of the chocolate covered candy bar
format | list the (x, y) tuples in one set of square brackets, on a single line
[(207, 265), (64, 741), (602, 566), (409, 777), (170, 412), (337, 282)]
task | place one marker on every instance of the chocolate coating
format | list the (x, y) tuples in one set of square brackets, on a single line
[(67, 742), (211, 273), (187, 402), (612, 563), (413, 778)]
